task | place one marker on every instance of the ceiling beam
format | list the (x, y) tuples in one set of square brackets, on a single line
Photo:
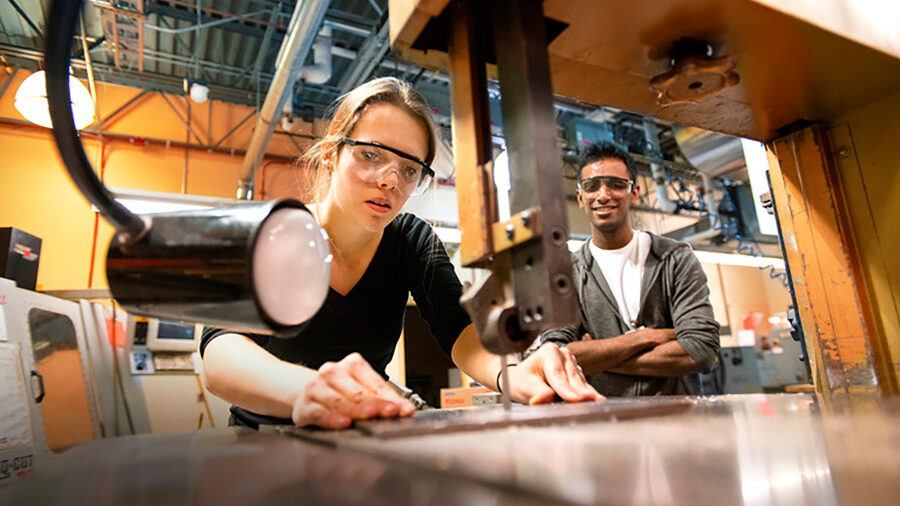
[(368, 57), (341, 20), (186, 15)]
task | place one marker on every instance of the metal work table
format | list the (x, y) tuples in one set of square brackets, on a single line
[(751, 449)]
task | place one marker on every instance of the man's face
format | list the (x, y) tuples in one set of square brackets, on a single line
[(607, 205)]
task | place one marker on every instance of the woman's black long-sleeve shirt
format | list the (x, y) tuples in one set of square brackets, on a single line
[(369, 318)]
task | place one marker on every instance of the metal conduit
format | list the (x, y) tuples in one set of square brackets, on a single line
[(199, 26), (305, 23)]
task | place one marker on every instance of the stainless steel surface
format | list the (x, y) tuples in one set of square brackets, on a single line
[(752, 449), (787, 449), (231, 466)]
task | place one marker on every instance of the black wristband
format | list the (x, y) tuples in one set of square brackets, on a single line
[(500, 372)]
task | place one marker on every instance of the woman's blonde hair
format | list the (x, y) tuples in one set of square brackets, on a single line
[(348, 109)]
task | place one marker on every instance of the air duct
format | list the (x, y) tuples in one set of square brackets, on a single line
[(320, 71), (305, 22), (317, 73), (711, 153), (663, 201)]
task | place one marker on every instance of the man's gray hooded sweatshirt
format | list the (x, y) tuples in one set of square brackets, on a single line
[(673, 295)]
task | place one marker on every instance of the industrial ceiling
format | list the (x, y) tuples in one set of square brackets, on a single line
[(230, 44), (232, 47)]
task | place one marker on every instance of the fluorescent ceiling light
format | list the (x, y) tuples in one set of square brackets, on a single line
[(757, 166), (448, 235), (575, 244), (31, 101), (712, 257), (149, 202)]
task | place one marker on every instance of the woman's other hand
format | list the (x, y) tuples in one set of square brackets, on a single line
[(344, 391), (549, 373)]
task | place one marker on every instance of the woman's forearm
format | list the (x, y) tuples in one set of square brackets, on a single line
[(241, 372), (471, 357)]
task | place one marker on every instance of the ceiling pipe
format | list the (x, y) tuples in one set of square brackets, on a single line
[(304, 26), (199, 26)]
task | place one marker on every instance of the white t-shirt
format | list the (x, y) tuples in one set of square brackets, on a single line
[(623, 268)]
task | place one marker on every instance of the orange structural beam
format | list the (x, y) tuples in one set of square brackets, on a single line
[(471, 135), (822, 255)]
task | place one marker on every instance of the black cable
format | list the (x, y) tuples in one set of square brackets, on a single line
[(721, 374), (60, 33)]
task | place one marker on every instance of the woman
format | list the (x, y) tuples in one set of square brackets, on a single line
[(374, 156)]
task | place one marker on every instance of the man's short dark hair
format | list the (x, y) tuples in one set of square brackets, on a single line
[(606, 149)]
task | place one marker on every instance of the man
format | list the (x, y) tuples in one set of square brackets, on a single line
[(648, 326)]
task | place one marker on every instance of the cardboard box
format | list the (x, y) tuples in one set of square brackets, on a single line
[(460, 397)]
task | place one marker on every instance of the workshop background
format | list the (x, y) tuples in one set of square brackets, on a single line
[(150, 135), (157, 136)]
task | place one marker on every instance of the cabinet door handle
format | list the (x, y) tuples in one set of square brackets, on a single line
[(40, 382)]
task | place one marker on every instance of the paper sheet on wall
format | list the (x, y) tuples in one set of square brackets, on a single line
[(15, 422), (3, 337), (746, 338)]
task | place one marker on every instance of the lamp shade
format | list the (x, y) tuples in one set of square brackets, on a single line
[(259, 267), (31, 101)]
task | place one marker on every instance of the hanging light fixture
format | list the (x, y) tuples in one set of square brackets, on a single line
[(31, 101)]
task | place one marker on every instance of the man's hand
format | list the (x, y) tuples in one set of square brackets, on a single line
[(550, 372), (657, 336), (345, 391)]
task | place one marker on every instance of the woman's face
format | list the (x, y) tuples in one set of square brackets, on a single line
[(374, 204)]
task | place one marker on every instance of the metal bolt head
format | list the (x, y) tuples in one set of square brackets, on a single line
[(526, 219), (843, 152), (510, 231)]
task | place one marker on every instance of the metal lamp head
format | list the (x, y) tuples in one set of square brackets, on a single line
[(261, 267)]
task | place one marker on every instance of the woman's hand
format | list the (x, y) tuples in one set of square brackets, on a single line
[(550, 372), (345, 391)]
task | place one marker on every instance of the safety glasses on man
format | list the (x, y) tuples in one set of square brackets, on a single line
[(613, 184), (374, 161)]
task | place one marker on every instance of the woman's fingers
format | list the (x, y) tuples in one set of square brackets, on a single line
[(349, 390), (555, 370), (557, 376), (576, 377), (358, 408), (364, 375), (313, 413)]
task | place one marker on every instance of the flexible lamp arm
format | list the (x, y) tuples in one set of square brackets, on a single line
[(60, 32)]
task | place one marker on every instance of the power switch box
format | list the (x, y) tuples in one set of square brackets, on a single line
[(20, 254)]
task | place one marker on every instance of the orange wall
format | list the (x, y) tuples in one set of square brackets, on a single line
[(37, 196)]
